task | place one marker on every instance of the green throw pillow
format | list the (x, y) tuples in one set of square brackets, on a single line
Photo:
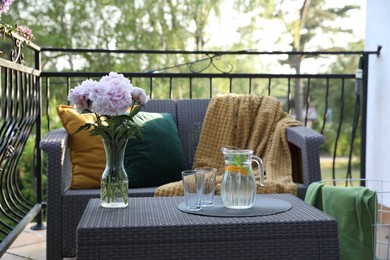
[(158, 158)]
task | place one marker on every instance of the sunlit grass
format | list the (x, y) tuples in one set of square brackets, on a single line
[(341, 167)]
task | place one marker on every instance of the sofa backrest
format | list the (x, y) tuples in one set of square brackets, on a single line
[(189, 115)]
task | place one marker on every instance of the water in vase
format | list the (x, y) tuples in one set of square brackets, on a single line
[(117, 198)]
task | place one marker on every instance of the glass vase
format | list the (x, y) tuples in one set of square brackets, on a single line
[(114, 182)]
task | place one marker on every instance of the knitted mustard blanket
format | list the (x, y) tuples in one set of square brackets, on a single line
[(250, 122)]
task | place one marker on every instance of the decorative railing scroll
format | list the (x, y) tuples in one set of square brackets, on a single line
[(16, 52), (211, 60)]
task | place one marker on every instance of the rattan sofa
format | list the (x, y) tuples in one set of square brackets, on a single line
[(65, 206)]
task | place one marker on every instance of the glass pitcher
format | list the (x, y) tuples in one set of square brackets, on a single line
[(238, 186)]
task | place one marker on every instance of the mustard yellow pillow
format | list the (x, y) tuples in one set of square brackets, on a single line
[(87, 153)]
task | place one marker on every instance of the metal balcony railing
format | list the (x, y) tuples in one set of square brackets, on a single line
[(331, 103), (20, 119)]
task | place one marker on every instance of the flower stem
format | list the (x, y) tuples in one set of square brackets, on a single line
[(114, 183)]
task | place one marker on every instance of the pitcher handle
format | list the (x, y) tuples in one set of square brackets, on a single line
[(260, 164)]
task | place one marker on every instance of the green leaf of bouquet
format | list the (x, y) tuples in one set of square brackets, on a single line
[(134, 110), (102, 131), (136, 130), (123, 118), (84, 127), (139, 132), (86, 111)]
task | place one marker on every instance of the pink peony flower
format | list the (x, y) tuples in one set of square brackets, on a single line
[(112, 95), (109, 99), (79, 96), (139, 95), (4, 6), (25, 32)]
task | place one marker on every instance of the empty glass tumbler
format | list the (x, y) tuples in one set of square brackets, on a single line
[(209, 186), (193, 182)]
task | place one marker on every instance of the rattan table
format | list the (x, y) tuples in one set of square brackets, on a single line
[(154, 228)]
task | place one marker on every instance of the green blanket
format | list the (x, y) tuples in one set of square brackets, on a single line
[(354, 209)]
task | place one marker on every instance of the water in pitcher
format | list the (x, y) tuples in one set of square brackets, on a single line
[(238, 191)]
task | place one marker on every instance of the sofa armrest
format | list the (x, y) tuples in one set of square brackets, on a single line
[(305, 147), (55, 144)]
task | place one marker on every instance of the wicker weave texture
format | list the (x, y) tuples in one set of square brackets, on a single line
[(65, 207), (153, 228), (309, 141), (191, 113)]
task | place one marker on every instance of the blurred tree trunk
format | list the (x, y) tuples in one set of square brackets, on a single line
[(299, 45)]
